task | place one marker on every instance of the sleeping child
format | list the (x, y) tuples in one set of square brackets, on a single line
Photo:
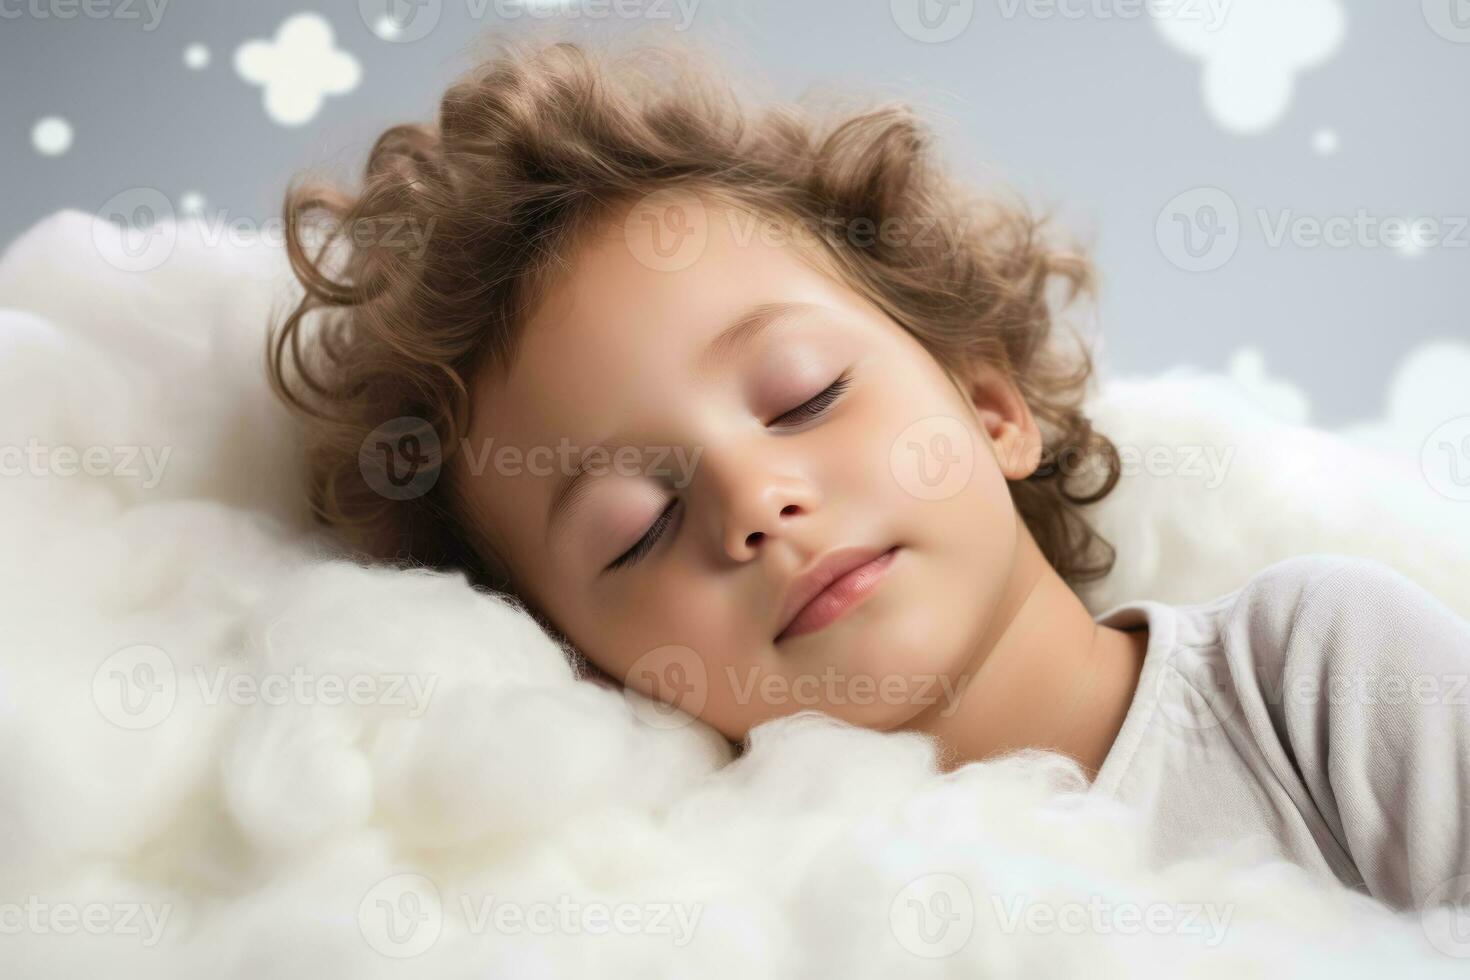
[(758, 410)]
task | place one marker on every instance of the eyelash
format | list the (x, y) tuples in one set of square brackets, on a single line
[(807, 410), (649, 539), (820, 402)]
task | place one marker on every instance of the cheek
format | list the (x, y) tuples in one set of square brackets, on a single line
[(682, 607), (913, 447), (944, 490), (686, 650)]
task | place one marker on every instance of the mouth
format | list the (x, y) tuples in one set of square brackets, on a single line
[(839, 582)]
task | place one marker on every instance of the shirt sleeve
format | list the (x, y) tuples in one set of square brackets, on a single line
[(1372, 704)]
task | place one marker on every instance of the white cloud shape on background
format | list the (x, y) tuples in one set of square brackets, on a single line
[(1251, 56), (298, 69), (1278, 396), (1426, 390), (1424, 424), (51, 136)]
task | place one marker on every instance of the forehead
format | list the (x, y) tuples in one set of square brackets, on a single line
[(622, 327)]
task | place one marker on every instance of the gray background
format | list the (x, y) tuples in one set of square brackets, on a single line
[(1095, 115)]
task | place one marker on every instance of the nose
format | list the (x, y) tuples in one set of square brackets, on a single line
[(760, 506)]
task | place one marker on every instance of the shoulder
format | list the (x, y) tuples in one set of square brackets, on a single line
[(1322, 586), (1363, 678), (1336, 612), (1302, 576)]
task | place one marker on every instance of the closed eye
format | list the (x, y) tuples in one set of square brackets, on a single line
[(816, 405), (645, 543), (807, 410)]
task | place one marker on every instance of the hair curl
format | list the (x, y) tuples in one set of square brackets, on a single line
[(533, 148)]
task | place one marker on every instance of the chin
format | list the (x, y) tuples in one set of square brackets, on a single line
[(883, 681)]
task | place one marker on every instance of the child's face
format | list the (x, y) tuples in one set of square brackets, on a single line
[(618, 356)]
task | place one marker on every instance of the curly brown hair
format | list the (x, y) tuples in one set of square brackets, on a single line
[(540, 143)]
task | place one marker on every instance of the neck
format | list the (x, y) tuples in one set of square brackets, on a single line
[(1044, 675)]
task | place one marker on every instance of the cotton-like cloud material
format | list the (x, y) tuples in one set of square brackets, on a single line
[(402, 834)]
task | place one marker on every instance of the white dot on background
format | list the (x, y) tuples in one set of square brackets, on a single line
[(386, 28), (196, 56), (191, 202), (51, 136), (1324, 141)]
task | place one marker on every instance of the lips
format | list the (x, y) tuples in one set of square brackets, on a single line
[(829, 587)]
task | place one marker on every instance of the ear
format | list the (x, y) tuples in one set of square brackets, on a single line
[(1005, 417)]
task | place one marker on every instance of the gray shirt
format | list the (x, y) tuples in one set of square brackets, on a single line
[(1320, 713)]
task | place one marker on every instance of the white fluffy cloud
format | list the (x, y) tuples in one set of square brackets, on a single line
[(1426, 391), (1278, 396), (298, 69), (299, 831), (1252, 54)]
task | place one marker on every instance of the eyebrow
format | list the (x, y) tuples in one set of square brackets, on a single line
[(726, 346)]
